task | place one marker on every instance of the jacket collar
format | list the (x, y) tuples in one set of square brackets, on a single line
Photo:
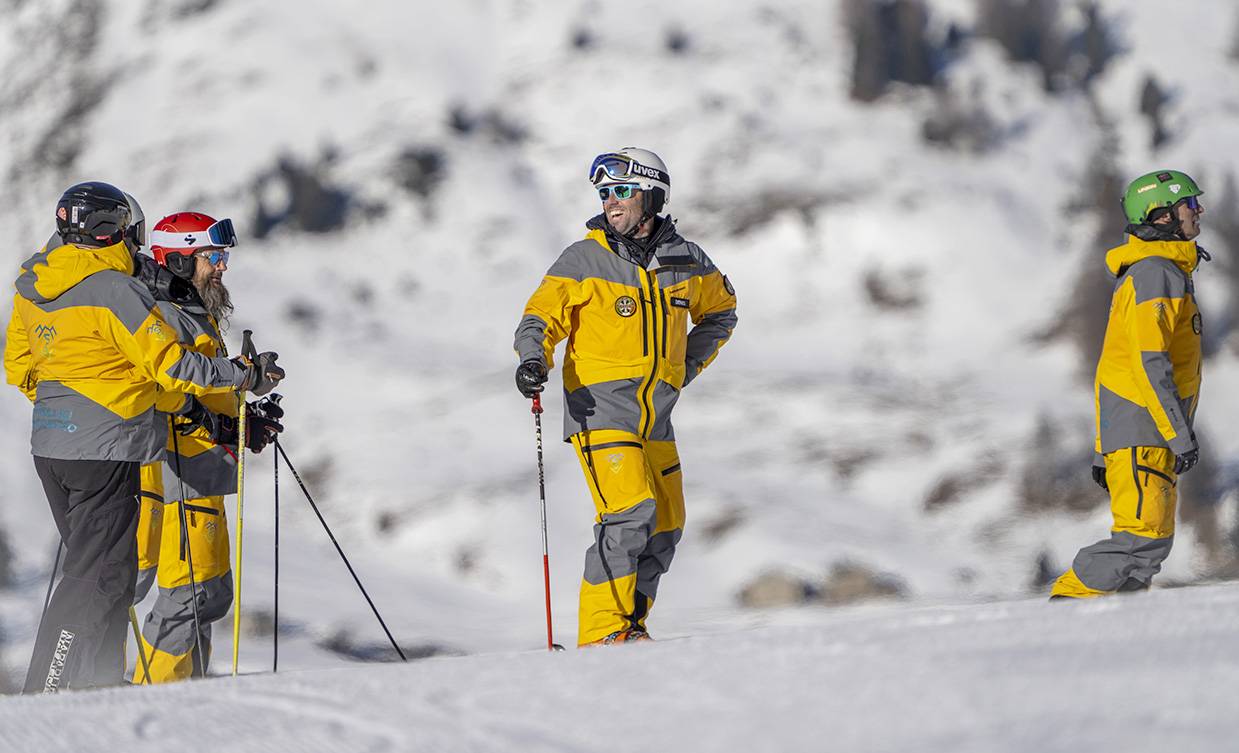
[(638, 251), (1184, 254)]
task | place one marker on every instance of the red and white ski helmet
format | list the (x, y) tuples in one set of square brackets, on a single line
[(177, 237)]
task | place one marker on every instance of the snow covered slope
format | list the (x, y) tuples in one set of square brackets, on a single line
[(1149, 673), (403, 176)]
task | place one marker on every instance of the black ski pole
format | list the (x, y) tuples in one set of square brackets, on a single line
[(279, 449), (275, 633), (189, 554)]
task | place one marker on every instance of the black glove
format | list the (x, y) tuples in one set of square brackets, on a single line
[(1184, 463), (1099, 477), (262, 420), (260, 426), (219, 428), (530, 376), (260, 430), (263, 375)]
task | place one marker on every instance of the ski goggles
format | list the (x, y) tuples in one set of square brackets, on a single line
[(620, 167), (221, 234), (213, 256), (621, 191)]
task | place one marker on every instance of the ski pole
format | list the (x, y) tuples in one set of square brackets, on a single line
[(137, 637), (248, 352), (275, 633), (536, 409), (280, 450), (189, 553)]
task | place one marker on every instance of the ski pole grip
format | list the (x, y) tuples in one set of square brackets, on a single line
[(537, 404), (247, 345)]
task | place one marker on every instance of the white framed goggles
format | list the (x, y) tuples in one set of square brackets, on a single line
[(620, 167), (219, 235)]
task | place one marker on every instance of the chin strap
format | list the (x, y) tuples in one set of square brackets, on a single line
[(1170, 231)]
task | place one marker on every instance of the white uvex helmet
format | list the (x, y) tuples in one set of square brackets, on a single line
[(633, 165)]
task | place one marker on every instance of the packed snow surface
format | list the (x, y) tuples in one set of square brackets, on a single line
[(1147, 672)]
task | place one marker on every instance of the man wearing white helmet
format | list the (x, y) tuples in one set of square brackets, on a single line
[(623, 298)]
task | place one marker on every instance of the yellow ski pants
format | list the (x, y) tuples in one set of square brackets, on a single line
[(168, 634), (1143, 496), (638, 496)]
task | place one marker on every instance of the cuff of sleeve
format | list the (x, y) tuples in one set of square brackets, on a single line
[(1182, 444)]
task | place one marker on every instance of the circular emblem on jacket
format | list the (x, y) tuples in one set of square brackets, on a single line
[(625, 306), (1197, 324)]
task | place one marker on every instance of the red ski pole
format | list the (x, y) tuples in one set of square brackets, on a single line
[(551, 645)]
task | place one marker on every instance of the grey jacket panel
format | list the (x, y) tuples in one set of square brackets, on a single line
[(530, 334), (587, 258), (68, 425), (664, 397), (121, 294), (606, 405), (1160, 373), (1156, 277), (1126, 424), (705, 338), (210, 474)]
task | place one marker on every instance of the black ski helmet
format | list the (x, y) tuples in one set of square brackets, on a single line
[(93, 214)]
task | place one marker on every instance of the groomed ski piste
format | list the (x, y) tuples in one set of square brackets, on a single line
[(1150, 672), (815, 439)]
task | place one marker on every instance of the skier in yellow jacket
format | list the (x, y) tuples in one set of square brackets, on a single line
[(1147, 386), (88, 346), (186, 278), (623, 298)]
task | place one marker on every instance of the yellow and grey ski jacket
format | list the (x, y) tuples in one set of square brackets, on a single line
[(1148, 377), (193, 462), (626, 318), (88, 346)]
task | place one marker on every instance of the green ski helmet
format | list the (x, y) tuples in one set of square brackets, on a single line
[(1154, 191)]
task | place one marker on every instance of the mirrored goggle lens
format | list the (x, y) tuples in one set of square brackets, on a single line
[(622, 191), (1192, 203), (222, 234), (610, 166), (213, 256)]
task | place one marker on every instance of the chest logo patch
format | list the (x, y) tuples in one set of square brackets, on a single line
[(679, 302), (625, 306), (1197, 324)]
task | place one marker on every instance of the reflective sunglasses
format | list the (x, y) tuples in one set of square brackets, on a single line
[(213, 255), (621, 191), (1192, 203)]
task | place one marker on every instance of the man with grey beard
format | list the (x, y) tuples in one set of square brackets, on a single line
[(186, 278)]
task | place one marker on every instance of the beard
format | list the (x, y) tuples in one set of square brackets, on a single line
[(217, 300)]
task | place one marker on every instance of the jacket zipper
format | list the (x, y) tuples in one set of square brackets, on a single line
[(646, 394), (662, 298)]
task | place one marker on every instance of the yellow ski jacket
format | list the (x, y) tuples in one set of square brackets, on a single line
[(194, 463), (88, 346), (626, 318), (1148, 376)]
